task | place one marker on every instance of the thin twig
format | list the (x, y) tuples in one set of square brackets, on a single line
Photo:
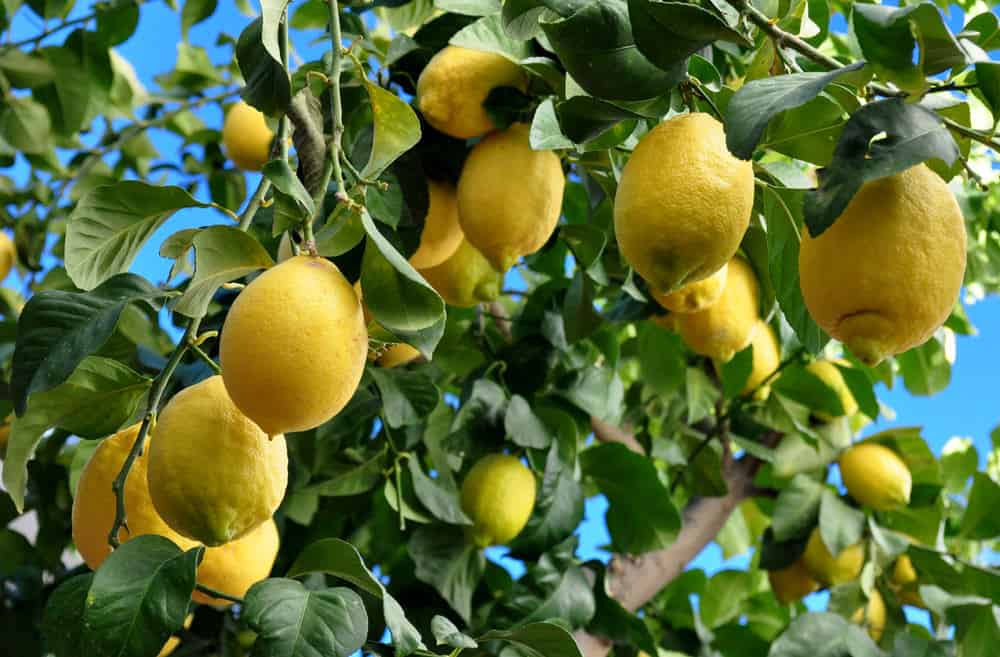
[(336, 109), (201, 588), (35, 40), (200, 353), (246, 217)]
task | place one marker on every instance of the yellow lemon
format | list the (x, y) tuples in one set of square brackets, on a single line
[(683, 203), (793, 583), (498, 495), (236, 566), (213, 475), (454, 85), (830, 570), (872, 615), (696, 296), (8, 255), (830, 374), (766, 358), (397, 355), (294, 345), (174, 641), (903, 573), (886, 275), (726, 326), (876, 477), (246, 137), (466, 278), (509, 196), (442, 233)]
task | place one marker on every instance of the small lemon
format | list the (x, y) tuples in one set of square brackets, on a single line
[(726, 326), (696, 296), (509, 196), (830, 374), (830, 570), (454, 85), (876, 477), (213, 475), (872, 615), (246, 137), (903, 573), (465, 279), (294, 345), (766, 359), (442, 233), (498, 495), (886, 275), (683, 203), (397, 355), (8, 255), (174, 641), (793, 583), (236, 566)]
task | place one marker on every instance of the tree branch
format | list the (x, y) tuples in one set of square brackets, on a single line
[(607, 433)]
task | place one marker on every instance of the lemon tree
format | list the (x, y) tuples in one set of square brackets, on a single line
[(443, 271)]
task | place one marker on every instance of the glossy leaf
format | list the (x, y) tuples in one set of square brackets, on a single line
[(222, 254)]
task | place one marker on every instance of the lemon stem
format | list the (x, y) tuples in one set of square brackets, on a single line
[(200, 353)]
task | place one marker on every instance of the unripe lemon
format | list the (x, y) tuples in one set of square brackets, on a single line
[(454, 85), (246, 137), (766, 359), (876, 477), (793, 583), (442, 233), (872, 615), (683, 203), (726, 326), (236, 566), (830, 374), (214, 476), (830, 570), (8, 255), (886, 275), (696, 296), (498, 495), (294, 345), (509, 196), (465, 279), (397, 355)]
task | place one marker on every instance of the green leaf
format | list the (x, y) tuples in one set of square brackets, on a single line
[(959, 462), (840, 525), (661, 357), (340, 559), (397, 129), (447, 562), (292, 621), (57, 330), (440, 501), (446, 634), (95, 401), (813, 635), (558, 510), (624, 476), (980, 521), (571, 600), (352, 479), (82, 84), (139, 597), (194, 12), (909, 134), (62, 623), (724, 597), (222, 254), (799, 384), (111, 224), (797, 508), (544, 639), (487, 34), (700, 393), (862, 389), (759, 101), (470, 8), (301, 208), (25, 125), (26, 70), (116, 22), (268, 87), (597, 391), (667, 33), (407, 396), (523, 427), (925, 369), (736, 373), (613, 621)]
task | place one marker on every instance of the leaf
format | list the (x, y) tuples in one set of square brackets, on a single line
[(292, 621), (340, 559), (925, 369), (57, 330), (139, 597), (302, 208), (544, 639), (471, 8), (661, 357), (980, 521), (523, 427), (446, 634), (797, 509), (759, 101), (667, 33), (112, 222), (62, 624), (397, 129), (445, 561), (441, 502), (614, 622), (353, 479), (624, 476), (909, 134), (407, 396), (268, 87), (558, 510), (194, 12), (597, 391), (801, 385), (26, 70), (861, 388), (736, 372), (812, 635), (25, 125), (840, 525), (487, 34), (700, 393), (959, 462), (724, 597)]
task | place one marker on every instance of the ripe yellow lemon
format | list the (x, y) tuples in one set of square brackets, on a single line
[(246, 137), (236, 566), (830, 374), (213, 475), (466, 278), (454, 85), (442, 233), (174, 641), (498, 495), (903, 573), (696, 296), (793, 583), (8, 255), (726, 326), (683, 203), (876, 477), (872, 615), (397, 355), (509, 196), (830, 570), (766, 358), (294, 345), (905, 238)]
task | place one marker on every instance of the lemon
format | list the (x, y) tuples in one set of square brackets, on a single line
[(8, 255), (441, 234), (876, 477), (727, 326), (872, 615), (509, 196), (766, 359), (830, 570), (454, 85), (886, 275), (174, 641), (696, 296), (397, 355), (683, 203), (294, 345), (246, 137), (498, 495), (236, 566), (830, 374), (213, 475), (793, 583), (903, 573), (465, 279)]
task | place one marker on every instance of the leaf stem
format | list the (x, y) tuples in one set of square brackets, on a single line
[(201, 588), (336, 109), (200, 353), (246, 217)]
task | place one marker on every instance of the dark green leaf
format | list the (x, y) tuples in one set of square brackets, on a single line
[(446, 634), (797, 509), (62, 624), (558, 510), (614, 622), (441, 502), (661, 356), (448, 563), (667, 33), (268, 87), (736, 372), (862, 389), (543, 639), (407, 396), (840, 525), (799, 384), (194, 12)]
